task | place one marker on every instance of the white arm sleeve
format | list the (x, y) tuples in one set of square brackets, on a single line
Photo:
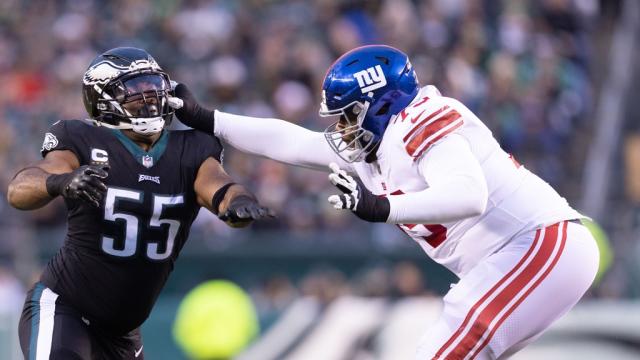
[(278, 140), (457, 187)]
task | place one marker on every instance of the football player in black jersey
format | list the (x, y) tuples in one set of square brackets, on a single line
[(132, 189)]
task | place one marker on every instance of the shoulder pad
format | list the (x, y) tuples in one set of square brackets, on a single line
[(428, 124)]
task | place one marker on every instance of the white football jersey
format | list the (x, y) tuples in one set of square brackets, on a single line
[(518, 199)]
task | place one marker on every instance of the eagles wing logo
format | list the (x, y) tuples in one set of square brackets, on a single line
[(50, 142), (105, 71), (102, 73)]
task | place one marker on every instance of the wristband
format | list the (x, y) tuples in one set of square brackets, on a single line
[(219, 196), (56, 183), (381, 209)]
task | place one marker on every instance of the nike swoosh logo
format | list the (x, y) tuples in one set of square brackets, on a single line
[(139, 351), (416, 118)]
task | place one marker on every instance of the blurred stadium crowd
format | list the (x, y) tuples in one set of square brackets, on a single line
[(528, 68), (523, 66)]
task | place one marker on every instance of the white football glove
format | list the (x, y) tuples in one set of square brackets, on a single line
[(356, 197), (346, 184)]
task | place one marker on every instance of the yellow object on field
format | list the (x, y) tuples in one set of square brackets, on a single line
[(606, 253), (215, 320)]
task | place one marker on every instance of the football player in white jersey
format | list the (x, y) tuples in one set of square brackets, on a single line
[(409, 156)]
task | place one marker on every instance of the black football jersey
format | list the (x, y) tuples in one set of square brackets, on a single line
[(116, 258)]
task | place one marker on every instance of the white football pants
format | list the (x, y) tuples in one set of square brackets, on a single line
[(510, 298)]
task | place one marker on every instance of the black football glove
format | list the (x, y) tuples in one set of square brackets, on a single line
[(356, 197), (191, 113), (84, 183), (242, 210)]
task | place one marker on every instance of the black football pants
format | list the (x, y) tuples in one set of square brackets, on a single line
[(51, 329)]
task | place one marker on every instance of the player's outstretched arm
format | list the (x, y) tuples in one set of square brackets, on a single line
[(59, 173), (232, 202), (272, 138)]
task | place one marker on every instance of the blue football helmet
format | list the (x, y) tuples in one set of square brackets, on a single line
[(365, 88)]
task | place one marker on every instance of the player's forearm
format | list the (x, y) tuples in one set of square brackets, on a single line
[(455, 200), (276, 139), (28, 189)]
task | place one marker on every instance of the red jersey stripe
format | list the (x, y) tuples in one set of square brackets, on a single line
[(437, 138), (428, 118), (431, 129)]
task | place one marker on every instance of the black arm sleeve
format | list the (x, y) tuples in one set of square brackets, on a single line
[(192, 114)]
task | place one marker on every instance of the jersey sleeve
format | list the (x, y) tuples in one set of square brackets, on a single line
[(278, 140), (457, 187), (430, 125), (58, 137)]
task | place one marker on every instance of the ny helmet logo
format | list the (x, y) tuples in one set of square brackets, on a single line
[(370, 79)]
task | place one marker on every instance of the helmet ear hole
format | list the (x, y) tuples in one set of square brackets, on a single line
[(384, 109)]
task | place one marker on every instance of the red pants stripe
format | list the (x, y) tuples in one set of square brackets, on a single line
[(486, 316)]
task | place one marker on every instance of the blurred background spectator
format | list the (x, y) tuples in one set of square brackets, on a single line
[(533, 71)]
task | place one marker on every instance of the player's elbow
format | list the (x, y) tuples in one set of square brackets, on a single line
[(473, 207), (478, 197), (14, 198), (17, 198), (478, 207)]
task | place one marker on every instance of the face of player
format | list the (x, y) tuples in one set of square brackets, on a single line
[(342, 124), (348, 118), (143, 107), (143, 96)]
